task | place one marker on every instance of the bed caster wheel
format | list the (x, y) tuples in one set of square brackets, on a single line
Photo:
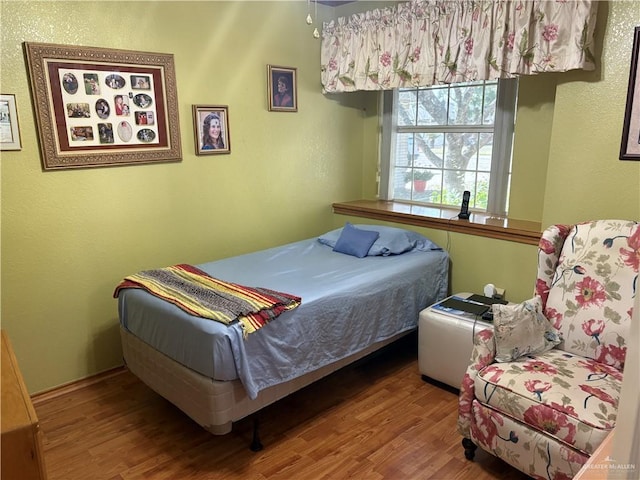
[(469, 448)]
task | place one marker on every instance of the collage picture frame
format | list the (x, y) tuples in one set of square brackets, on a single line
[(100, 107)]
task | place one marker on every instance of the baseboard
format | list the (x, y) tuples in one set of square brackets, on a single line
[(54, 392)]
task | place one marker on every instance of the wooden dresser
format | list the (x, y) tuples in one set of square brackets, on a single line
[(21, 442)]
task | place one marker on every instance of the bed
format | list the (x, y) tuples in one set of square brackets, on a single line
[(352, 305)]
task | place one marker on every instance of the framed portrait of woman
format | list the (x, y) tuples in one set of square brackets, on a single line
[(211, 128), (282, 89)]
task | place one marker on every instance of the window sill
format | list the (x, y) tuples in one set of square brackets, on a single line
[(520, 231)]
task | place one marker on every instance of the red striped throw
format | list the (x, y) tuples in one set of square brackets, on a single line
[(199, 294)]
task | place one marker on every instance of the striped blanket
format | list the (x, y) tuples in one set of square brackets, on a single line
[(199, 294)]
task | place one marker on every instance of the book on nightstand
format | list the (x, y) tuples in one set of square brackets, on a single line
[(473, 307)]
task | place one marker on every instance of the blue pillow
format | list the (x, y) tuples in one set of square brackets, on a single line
[(354, 241), (392, 240)]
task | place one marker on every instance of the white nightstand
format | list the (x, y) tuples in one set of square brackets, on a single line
[(445, 342)]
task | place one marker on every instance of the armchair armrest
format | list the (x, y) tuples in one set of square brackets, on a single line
[(482, 355)]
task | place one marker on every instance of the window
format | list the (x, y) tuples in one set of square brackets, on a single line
[(445, 139)]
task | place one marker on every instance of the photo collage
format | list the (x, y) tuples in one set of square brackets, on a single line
[(108, 108)]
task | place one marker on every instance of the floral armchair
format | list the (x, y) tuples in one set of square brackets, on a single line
[(545, 413)]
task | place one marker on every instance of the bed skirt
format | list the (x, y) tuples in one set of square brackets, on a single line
[(213, 404)]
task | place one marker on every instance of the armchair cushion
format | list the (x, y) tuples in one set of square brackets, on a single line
[(522, 329), (570, 398)]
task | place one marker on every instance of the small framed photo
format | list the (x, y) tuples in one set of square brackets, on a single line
[(211, 128), (630, 145), (9, 130), (283, 89)]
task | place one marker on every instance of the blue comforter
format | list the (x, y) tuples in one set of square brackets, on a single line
[(348, 303)]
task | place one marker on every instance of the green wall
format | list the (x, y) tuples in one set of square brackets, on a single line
[(69, 236)]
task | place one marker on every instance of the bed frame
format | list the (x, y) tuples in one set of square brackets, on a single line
[(216, 404), (213, 404)]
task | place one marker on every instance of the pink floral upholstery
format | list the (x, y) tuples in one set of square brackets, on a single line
[(545, 414)]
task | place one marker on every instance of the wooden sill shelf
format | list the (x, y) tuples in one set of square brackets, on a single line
[(519, 231)]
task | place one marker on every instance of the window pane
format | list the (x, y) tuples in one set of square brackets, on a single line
[(435, 188), (460, 150), (433, 105), (482, 191), (401, 188), (430, 148), (484, 156), (420, 184), (470, 184), (465, 105), (489, 113), (452, 188), (404, 149), (407, 101)]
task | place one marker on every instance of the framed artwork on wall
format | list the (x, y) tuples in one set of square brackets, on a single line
[(630, 146), (211, 128), (98, 107), (282, 89), (9, 130)]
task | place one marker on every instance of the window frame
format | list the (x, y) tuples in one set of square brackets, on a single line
[(503, 134)]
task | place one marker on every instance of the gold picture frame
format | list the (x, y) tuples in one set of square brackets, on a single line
[(97, 107), (282, 90), (207, 118)]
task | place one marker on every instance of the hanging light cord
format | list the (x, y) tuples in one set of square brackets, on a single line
[(309, 19), (316, 33)]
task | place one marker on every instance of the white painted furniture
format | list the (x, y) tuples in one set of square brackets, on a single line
[(445, 342)]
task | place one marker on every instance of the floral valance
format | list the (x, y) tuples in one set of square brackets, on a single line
[(426, 42)]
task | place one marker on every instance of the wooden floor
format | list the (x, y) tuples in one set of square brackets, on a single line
[(373, 420)]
